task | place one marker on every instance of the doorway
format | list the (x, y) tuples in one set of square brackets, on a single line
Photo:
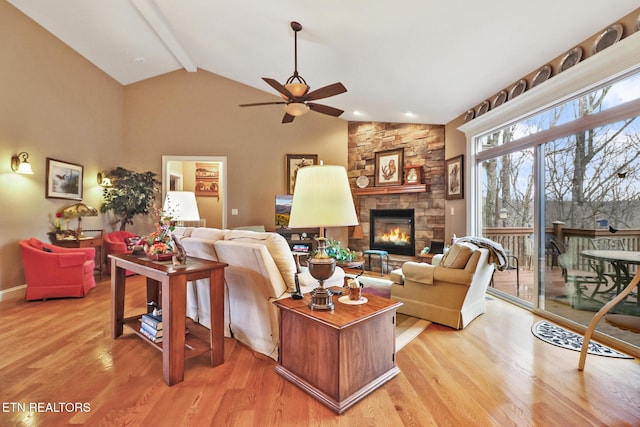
[(179, 173)]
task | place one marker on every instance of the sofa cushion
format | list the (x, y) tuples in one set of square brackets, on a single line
[(207, 233), (182, 231), (458, 255), (277, 247), (200, 248)]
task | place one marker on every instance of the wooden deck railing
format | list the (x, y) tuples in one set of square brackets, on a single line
[(519, 242)]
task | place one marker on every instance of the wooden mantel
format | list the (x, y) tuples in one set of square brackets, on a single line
[(390, 189)]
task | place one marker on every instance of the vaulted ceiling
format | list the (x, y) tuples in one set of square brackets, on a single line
[(422, 61)]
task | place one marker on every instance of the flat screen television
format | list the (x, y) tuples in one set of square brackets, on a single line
[(283, 209)]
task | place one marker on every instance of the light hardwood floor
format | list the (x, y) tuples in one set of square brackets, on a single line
[(493, 373)]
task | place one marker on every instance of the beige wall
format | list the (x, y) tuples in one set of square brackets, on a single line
[(182, 114), (57, 104), (456, 144), (54, 103)]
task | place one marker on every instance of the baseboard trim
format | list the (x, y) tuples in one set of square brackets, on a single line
[(17, 292)]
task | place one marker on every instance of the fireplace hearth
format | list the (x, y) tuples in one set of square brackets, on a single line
[(393, 230)]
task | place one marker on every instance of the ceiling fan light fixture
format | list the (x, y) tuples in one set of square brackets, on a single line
[(297, 89), (296, 109)]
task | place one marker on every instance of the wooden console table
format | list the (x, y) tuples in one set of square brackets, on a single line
[(172, 282), (338, 356)]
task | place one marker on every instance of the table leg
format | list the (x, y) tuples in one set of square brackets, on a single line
[(118, 278), (594, 322), (174, 296), (216, 292)]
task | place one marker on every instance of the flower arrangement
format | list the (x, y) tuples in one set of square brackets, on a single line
[(160, 242), (55, 224)]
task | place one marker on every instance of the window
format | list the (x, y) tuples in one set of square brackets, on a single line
[(571, 164)]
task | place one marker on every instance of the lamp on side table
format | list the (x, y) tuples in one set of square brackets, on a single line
[(322, 198)]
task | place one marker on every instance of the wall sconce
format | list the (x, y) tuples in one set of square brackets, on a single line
[(104, 180), (20, 164)]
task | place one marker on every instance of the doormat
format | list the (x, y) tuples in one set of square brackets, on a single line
[(561, 337)]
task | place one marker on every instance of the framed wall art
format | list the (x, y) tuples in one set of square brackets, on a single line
[(413, 174), (389, 167), (294, 163), (64, 180), (207, 179), (454, 178)]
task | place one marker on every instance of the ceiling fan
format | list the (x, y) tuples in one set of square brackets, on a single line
[(295, 91)]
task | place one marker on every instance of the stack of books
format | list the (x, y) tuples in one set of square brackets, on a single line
[(151, 327)]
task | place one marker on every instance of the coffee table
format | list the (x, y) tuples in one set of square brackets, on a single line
[(338, 356), (172, 282)]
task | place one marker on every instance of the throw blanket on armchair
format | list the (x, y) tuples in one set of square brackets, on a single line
[(497, 255)]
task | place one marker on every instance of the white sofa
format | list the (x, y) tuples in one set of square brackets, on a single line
[(261, 269)]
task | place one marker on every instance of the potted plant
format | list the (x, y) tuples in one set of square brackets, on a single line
[(132, 193), (335, 250)]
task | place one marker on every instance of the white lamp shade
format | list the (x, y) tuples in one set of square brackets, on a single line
[(181, 206), (322, 198)]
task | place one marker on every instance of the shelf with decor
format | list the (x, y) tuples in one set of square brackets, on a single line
[(390, 189), (194, 345)]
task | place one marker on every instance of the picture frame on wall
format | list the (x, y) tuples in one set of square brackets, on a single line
[(389, 167), (294, 163), (207, 177), (413, 175), (64, 180), (454, 178)]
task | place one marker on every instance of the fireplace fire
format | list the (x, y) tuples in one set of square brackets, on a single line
[(396, 236), (392, 230)]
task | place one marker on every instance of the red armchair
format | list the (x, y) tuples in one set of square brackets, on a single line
[(56, 272), (117, 242)]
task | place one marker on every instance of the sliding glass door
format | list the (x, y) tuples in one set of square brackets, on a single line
[(554, 185)]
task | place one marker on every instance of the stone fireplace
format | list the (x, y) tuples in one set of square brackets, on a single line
[(392, 230), (423, 145)]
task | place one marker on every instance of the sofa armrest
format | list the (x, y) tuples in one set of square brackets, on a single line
[(70, 259), (419, 272), (88, 253)]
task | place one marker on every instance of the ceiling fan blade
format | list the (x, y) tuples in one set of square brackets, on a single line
[(279, 87), (262, 103), (325, 109), (325, 92), (287, 118)]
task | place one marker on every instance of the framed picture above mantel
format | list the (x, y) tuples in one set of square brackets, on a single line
[(413, 174), (389, 167)]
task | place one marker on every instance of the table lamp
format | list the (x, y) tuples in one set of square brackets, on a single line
[(78, 210), (322, 198), (181, 206)]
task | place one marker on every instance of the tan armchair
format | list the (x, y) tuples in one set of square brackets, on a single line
[(451, 293)]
